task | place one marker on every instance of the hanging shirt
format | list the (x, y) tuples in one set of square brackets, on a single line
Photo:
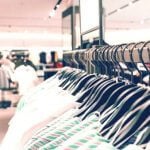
[(26, 78), (4, 82)]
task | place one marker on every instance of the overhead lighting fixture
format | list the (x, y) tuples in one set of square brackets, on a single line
[(118, 9), (52, 13), (122, 7), (57, 6)]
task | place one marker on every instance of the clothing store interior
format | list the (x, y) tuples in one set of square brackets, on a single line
[(74, 74)]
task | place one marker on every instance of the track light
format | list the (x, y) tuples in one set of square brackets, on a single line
[(123, 7), (52, 13), (57, 6)]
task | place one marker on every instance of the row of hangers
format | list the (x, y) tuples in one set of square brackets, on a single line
[(125, 61)]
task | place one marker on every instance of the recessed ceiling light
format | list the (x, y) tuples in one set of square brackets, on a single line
[(52, 13)]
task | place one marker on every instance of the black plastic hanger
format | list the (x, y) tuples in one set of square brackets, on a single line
[(101, 63)]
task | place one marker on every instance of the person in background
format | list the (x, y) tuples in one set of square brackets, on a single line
[(8, 66), (26, 75), (4, 82), (27, 61)]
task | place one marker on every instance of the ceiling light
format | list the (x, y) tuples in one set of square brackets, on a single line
[(52, 13), (57, 6), (118, 9)]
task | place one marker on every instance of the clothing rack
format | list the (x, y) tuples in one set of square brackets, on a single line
[(19, 52), (113, 60)]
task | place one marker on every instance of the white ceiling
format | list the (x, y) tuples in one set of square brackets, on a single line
[(30, 15), (134, 15), (26, 24)]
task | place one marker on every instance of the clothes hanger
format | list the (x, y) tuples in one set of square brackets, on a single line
[(95, 60), (91, 56), (72, 61), (110, 103), (66, 58), (106, 80), (111, 87), (76, 65), (95, 104), (101, 63), (110, 58), (144, 60), (127, 61), (117, 59), (81, 62), (127, 87), (106, 62), (85, 60), (112, 65), (134, 51)]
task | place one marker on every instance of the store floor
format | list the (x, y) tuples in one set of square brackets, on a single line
[(7, 114)]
